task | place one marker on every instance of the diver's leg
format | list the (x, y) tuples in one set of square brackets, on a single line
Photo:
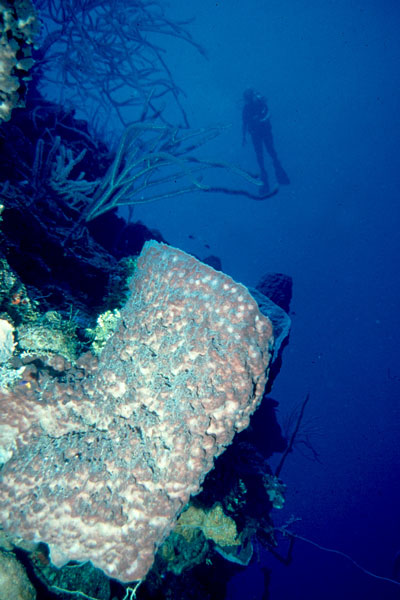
[(258, 148), (281, 175), (269, 141)]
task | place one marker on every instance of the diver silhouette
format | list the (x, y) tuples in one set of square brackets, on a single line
[(256, 121)]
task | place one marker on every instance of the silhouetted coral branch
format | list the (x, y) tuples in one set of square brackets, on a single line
[(292, 440), (288, 533), (104, 51)]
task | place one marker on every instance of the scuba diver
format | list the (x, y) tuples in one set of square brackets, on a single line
[(255, 120)]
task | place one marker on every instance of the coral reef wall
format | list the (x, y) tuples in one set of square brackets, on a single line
[(100, 465)]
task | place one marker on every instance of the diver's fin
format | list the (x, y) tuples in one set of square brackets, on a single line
[(281, 175), (267, 192)]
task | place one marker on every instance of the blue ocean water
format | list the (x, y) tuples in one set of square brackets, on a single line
[(330, 72)]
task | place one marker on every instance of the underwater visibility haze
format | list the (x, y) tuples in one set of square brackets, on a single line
[(248, 152)]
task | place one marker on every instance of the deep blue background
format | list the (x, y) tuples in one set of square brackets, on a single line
[(331, 73)]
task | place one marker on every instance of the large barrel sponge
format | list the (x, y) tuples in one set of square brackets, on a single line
[(100, 468)]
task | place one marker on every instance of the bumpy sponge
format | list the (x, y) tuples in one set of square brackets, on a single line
[(101, 467)]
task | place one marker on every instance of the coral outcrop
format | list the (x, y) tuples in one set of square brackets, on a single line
[(6, 340), (18, 28), (14, 582)]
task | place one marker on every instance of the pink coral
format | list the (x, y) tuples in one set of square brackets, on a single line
[(100, 468)]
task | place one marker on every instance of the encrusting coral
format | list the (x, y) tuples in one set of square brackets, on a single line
[(214, 524), (19, 26), (14, 582)]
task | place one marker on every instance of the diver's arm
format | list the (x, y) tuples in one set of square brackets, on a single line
[(265, 116), (264, 113)]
